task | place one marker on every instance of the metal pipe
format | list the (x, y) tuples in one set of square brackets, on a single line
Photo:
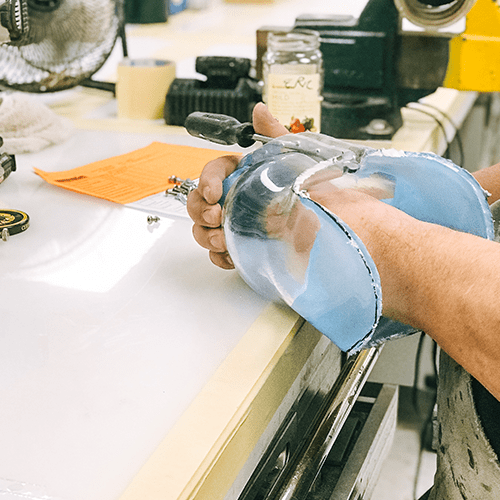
[(295, 484)]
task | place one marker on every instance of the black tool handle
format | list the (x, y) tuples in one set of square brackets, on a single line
[(221, 129)]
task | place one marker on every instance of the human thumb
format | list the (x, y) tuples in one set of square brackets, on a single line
[(264, 122)]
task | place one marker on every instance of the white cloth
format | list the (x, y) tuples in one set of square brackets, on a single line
[(27, 125)]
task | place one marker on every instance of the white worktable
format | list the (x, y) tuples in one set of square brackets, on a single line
[(109, 328), (124, 353)]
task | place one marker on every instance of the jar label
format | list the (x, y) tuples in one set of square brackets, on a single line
[(295, 100)]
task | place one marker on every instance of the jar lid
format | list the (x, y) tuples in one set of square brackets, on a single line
[(295, 40)]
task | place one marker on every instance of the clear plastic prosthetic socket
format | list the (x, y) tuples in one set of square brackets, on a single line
[(288, 247)]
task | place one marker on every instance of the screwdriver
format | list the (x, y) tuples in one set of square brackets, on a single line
[(222, 129)]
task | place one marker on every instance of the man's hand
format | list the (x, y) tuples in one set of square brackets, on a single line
[(202, 203), (434, 278)]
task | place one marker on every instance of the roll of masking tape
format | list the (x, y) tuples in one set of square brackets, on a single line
[(142, 86)]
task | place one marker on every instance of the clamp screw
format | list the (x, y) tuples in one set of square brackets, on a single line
[(181, 191), (152, 219), (175, 180)]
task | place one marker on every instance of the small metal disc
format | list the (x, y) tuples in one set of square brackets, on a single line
[(12, 222)]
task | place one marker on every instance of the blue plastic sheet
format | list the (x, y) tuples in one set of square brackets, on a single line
[(288, 247)]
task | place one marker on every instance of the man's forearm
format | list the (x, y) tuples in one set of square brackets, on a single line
[(444, 282), (489, 178), (436, 279)]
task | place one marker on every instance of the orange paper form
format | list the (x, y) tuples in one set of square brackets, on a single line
[(133, 176)]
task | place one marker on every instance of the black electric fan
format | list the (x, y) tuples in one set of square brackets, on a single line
[(57, 44)]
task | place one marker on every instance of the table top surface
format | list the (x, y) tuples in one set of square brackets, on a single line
[(111, 327)]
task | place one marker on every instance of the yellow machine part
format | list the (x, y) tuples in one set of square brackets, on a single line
[(474, 62)]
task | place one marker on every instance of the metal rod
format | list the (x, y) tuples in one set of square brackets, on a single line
[(262, 138), (300, 477)]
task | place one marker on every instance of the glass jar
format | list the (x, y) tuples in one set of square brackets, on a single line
[(293, 79)]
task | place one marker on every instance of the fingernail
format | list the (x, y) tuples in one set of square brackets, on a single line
[(206, 192), (210, 217), (217, 242)]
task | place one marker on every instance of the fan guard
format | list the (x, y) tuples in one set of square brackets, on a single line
[(66, 43)]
